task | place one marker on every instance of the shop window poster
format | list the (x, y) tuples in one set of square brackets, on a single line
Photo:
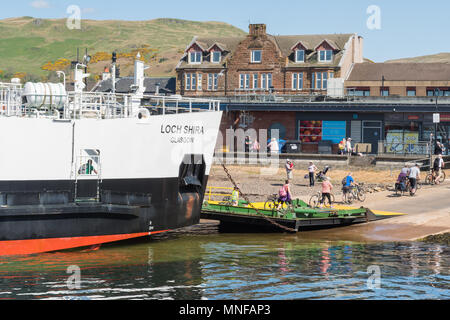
[(316, 131)]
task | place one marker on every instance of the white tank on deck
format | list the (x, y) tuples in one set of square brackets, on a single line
[(43, 95)]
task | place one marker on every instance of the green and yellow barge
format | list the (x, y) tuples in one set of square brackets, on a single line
[(295, 218)]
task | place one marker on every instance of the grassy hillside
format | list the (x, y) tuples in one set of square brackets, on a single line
[(435, 58), (28, 44)]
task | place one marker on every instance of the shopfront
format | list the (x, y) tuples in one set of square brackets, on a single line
[(411, 133), (315, 128)]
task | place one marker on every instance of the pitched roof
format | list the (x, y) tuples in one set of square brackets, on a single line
[(123, 85), (285, 44), (400, 72)]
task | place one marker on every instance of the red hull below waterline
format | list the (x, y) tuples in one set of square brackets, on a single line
[(27, 247)]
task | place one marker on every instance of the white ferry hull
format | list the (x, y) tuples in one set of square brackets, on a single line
[(150, 178)]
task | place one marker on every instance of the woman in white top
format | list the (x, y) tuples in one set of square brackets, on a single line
[(273, 146), (312, 171)]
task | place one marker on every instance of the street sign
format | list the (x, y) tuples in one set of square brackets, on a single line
[(436, 118)]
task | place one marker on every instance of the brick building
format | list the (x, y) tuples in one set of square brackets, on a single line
[(288, 83), (260, 62)]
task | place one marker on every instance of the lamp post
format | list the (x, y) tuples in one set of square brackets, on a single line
[(437, 92)]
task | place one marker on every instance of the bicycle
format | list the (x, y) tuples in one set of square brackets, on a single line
[(316, 199), (272, 202), (355, 192), (431, 179)]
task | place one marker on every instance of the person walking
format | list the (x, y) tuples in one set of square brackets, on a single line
[(327, 187), (439, 164), (289, 170), (414, 176), (285, 195), (312, 171), (342, 146), (256, 146), (349, 148), (235, 197), (274, 147)]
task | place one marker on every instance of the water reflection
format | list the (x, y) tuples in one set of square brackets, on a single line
[(206, 265)]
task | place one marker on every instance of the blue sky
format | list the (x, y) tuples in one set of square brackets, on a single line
[(408, 28)]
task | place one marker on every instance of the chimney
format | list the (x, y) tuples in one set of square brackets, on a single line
[(257, 30), (157, 89)]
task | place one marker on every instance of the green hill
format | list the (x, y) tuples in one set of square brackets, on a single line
[(28, 44), (434, 58)]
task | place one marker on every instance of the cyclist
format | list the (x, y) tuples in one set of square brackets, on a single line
[(439, 164), (348, 184)]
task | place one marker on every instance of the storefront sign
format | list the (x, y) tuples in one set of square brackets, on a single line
[(436, 118)]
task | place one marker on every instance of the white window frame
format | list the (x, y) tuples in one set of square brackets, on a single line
[(193, 82), (252, 56), (296, 56), (321, 80), (297, 81), (325, 55), (215, 82), (244, 81), (266, 81), (212, 56), (195, 54), (187, 85), (199, 82), (210, 81), (255, 81)]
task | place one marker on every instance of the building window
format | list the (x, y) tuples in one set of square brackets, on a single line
[(300, 56), (213, 81), (297, 81), (442, 92), (358, 92), (411, 92), (384, 92), (321, 82), (216, 56), (244, 81), (188, 81), (266, 81), (256, 56), (193, 82), (195, 57), (200, 81), (255, 81), (325, 55)]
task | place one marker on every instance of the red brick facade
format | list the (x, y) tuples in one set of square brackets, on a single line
[(262, 63)]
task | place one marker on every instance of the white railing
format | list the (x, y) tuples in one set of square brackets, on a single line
[(10, 99), (100, 105)]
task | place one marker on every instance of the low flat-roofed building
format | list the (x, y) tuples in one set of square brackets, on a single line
[(399, 79)]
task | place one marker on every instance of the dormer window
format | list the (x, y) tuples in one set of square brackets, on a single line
[(216, 56), (299, 56), (256, 56), (195, 57), (325, 55)]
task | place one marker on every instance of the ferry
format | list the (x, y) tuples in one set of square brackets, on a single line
[(81, 169)]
